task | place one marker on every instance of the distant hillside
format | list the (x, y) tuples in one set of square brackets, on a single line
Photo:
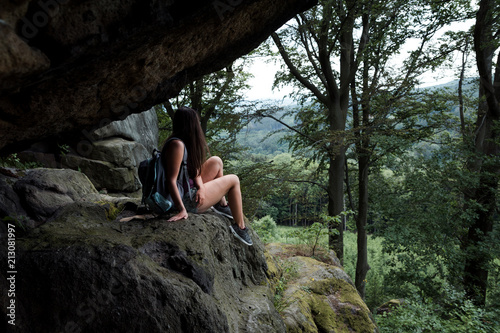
[(470, 85), (263, 136)]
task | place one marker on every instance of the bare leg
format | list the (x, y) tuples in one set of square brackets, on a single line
[(217, 188), (213, 168)]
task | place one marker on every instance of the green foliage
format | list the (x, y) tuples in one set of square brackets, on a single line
[(63, 149), (312, 234), (266, 228), (19, 221), (493, 294), (376, 279), (218, 98), (112, 210), (284, 187), (377, 276), (452, 313), (289, 272), (423, 201), (13, 161)]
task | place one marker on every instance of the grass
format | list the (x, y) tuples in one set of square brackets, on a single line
[(450, 314), (375, 291)]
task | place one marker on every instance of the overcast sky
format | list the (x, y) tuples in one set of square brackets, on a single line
[(261, 83)]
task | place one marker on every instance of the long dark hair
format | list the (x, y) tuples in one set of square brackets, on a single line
[(186, 126)]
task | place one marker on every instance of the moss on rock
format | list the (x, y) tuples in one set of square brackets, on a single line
[(142, 276), (322, 298)]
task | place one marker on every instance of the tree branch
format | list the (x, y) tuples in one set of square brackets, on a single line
[(295, 72), (313, 141), (170, 109), (298, 181), (324, 54), (310, 53)]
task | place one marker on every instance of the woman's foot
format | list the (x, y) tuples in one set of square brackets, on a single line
[(241, 234), (223, 210)]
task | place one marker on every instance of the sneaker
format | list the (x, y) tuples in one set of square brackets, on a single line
[(241, 234), (223, 210)]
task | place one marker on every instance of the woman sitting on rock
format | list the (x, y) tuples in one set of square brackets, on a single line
[(206, 177)]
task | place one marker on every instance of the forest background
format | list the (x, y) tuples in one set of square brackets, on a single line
[(400, 181)]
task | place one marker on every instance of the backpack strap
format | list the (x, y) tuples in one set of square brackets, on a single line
[(150, 170)]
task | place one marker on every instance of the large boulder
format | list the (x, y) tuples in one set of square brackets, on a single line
[(81, 272), (319, 296), (85, 269), (141, 128), (113, 152), (109, 156), (31, 197), (72, 66), (105, 175), (10, 203)]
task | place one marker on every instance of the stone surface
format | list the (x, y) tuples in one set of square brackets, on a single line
[(111, 156), (83, 270), (10, 203), (141, 128), (389, 306), (73, 66), (80, 272), (42, 192), (319, 297), (119, 152), (105, 175), (28, 61)]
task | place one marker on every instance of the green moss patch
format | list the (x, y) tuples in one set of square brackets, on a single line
[(322, 298)]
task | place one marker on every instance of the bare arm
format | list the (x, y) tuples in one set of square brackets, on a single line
[(172, 160), (200, 194)]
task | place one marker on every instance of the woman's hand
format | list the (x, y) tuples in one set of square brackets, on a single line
[(200, 195), (182, 215)]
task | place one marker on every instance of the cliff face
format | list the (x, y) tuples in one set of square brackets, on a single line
[(70, 265), (70, 66), (73, 267), (111, 160), (80, 272)]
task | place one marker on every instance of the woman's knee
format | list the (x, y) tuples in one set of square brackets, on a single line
[(235, 180), (216, 161), (211, 169)]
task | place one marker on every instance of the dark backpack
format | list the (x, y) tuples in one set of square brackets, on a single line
[(152, 176)]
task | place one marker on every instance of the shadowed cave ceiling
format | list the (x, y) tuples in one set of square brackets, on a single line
[(68, 66)]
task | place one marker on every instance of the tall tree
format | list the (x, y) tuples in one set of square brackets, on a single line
[(308, 48), (218, 98), (324, 50), (487, 149), (378, 93)]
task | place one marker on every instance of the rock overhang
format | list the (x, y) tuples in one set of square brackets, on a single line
[(69, 66)]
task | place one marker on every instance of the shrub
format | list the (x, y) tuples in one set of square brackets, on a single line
[(13, 161), (266, 228), (452, 314)]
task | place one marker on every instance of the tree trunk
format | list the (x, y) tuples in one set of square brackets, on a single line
[(336, 201), (364, 156), (362, 266), (337, 111), (477, 256), (460, 91), (483, 197), (477, 253)]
